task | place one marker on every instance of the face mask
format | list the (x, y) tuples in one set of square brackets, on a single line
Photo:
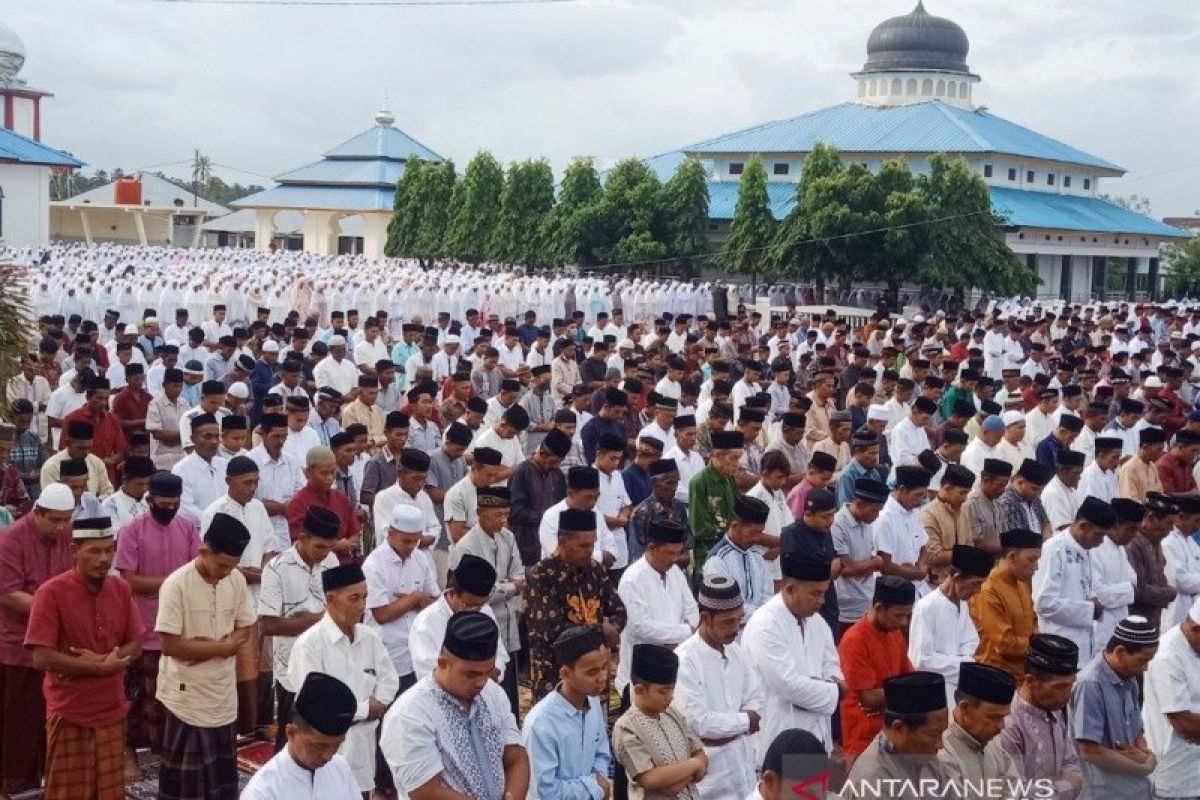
[(163, 515)]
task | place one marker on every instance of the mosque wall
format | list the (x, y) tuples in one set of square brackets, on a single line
[(25, 207)]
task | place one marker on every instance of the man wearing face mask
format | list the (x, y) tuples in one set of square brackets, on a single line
[(151, 547)]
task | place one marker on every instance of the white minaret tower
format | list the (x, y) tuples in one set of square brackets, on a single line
[(916, 58), (20, 103)]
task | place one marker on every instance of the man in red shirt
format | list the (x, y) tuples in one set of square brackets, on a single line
[(1175, 465), (32, 551), (130, 404), (321, 471), (108, 441), (83, 631)]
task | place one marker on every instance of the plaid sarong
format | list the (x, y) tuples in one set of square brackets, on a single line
[(198, 763), (84, 763)]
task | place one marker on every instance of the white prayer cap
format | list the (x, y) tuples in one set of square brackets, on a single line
[(270, 346), (150, 321), (1012, 418), (239, 390), (625, 344), (877, 412), (1153, 382), (408, 518), (337, 341), (129, 330), (452, 339), (56, 497)]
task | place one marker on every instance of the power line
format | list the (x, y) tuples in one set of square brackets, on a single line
[(360, 3)]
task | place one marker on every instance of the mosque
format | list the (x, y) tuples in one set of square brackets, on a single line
[(914, 97), (26, 164)]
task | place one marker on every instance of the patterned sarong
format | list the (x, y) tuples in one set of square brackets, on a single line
[(198, 763), (84, 763)]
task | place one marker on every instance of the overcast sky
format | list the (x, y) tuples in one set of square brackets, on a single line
[(140, 83)]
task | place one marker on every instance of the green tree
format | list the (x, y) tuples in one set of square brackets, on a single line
[(15, 324), (753, 227), (527, 198), (967, 249), (1182, 268), (577, 228), (899, 251), (477, 211), (402, 228), (201, 174), (792, 254), (633, 213), (685, 205), (434, 191)]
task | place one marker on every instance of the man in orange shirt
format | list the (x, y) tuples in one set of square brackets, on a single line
[(1003, 609), (871, 651)]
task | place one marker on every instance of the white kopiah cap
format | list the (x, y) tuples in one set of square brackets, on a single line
[(56, 497), (408, 518), (877, 412)]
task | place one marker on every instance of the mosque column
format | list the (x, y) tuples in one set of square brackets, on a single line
[(1131, 269), (375, 234), (317, 235), (86, 224), (1153, 279), (1099, 277), (264, 227), (139, 222), (1064, 281)]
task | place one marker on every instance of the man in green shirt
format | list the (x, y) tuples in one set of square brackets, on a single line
[(711, 494)]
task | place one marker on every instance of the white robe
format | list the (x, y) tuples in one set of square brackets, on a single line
[(1061, 503), (659, 610), (1062, 591), (795, 663), (1182, 569), (282, 778), (941, 637), (901, 534), (1095, 482), (1113, 581)]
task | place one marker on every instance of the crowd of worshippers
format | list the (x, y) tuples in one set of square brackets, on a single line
[(722, 557)]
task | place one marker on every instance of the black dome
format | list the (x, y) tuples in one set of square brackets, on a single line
[(917, 41)]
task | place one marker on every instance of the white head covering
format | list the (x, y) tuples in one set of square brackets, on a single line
[(408, 518), (56, 497), (877, 412), (1012, 417)]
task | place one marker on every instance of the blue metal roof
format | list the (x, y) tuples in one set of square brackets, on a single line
[(21, 149), (342, 172), (348, 198), (1067, 212), (929, 127), (383, 141), (723, 196)]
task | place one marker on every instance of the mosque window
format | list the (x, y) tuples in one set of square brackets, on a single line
[(1012, 173), (941, 88), (910, 88), (1029, 176), (897, 86), (782, 169), (1066, 181), (962, 90), (987, 170), (927, 87), (1087, 184), (1049, 178), (737, 168)]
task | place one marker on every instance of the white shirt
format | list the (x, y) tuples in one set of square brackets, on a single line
[(298, 443), (689, 464), (511, 452), (548, 533), (941, 637), (282, 778), (428, 632), (203, 483), (778, 518), (386, 502), (278, 481), (653, 430), (795, 663), (906, 442), (1037, 427), (901, 534), (121, 508), (714, 691), (1061, 503), (388, 577), (367, 353), (1113, 581), (1062, 592), (612, 499), (254, 516), (1172, 684), (975, 454), (341, 375), (364, 666), (1182, 569), (659, 609), (290, 586), (1098, 483)]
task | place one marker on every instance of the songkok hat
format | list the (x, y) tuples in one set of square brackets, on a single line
[(799, 568), (790, 419), (1186, 436), (72, 468), (1136, 630), (490, 457), (138, 467), (340, 439), (652, 663), (1070, 458), (1021, 539), (958, 475), (91, 528), (517, 417), (751, 509), (925, 405), (321, 522), (1097, 512), (1128, 510), (233, 422), (80, 429), (821, 461), (556, 443), (474, 575), (798, 742), (663, 466), (573, 520), (166, 484), (1159, 503), (752, 415), (871, 490), (583, 478), (719, 593), (576, 642), (971, 560), (200, 420), (341, 576), (460, 434), (685, 421), (985, 682), (997, 468), (227, 535), (912, 477), (240, 465), (892, 590), (56, 497), (1129, 405), (615, 397), (610, 442), (326, 704), (1050, 653), (134, 368), (269, 421), (415, 460), (914, 693), (1035, 472), (1071, 423), (818, 501), (1151, 436), (407, 518), (665, 531), (471, 636), (728, 440)]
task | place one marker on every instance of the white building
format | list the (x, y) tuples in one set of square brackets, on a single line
[(25, 163), (915, 97)]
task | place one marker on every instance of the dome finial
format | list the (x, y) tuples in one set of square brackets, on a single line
[(12, 54), (383, 116)]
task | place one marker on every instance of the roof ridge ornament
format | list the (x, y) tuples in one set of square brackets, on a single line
[(384, 116)]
